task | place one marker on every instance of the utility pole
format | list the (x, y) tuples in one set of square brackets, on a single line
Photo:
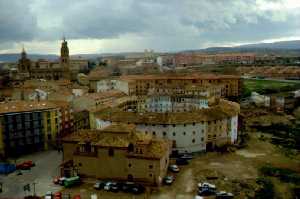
[(34, 188)]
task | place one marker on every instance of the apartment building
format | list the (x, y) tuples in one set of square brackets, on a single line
[(142, 84), (191, 59), (27, 127)]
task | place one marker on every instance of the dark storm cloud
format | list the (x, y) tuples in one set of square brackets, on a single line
[(159, 24), (17, 23)]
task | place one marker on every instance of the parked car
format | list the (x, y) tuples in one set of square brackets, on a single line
[(108, 185), (174, 168), (61, 180), (224, 195), (206, 192), (115, 187), (99, 185), (127, 186), (30, 163), (56, 180), (77, 197), (198, 197), (206, 189), (58, 195), (69, 182), (49, 195), (180, 161), (187, 156), (206, 185), (168, 180), (23, 166), (137, 189)]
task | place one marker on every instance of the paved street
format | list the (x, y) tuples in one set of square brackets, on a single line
[(46, 168)]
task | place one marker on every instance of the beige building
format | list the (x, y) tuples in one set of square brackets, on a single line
[(116, 152), (91, 101), (142, 84)]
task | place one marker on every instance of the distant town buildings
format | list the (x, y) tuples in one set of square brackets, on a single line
[(277, 72), (191, 59)]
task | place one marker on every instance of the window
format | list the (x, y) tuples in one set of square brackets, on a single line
[(79, 164), (129, 165), (153, 133), (87, 147), (150, 174), (150, 166), (184, 133), (194, 132), (130, 147), (174, 125), (193, 140), (184, 124), (193, 123), (49, 136), (202, 139), (111, 152), (174, 133), (164, 133)]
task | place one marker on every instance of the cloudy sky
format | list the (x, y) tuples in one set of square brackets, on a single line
[(101, 26)]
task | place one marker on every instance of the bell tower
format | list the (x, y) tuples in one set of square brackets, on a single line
[(24, 63), (64, 54)]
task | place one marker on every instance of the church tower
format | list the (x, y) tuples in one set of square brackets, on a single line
[(64, 54), (24, 62)]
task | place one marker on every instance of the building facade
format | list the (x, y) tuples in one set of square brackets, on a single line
[(190, 131), (27, 127), (141, 85), (64, 68), (117, 152)]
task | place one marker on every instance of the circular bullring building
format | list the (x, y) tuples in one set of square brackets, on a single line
[(193, 124)]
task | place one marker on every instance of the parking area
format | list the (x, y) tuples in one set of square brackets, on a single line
[(234, 172), (47, 166)]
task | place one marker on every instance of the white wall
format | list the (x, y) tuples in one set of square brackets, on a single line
[(122, 86), (100, 124), (183, 136), (234, 129)]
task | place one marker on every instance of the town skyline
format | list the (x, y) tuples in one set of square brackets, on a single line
[(144, 25)]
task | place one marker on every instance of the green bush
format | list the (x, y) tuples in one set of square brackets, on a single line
[(285, 175), (266, 189)]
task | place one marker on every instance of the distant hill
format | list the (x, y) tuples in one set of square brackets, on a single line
[(281, 48), (288, 45), (16, 57)]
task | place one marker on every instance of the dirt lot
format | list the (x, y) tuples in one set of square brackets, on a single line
[(236, 172)]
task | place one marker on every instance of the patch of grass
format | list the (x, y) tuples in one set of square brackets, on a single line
[(268, 86), (285, 175)]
